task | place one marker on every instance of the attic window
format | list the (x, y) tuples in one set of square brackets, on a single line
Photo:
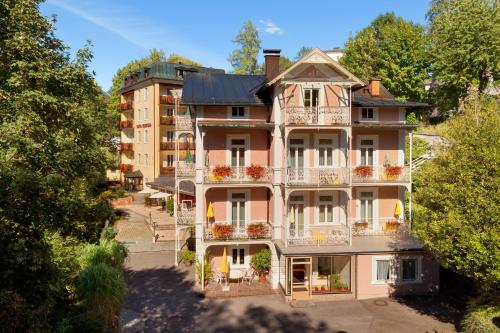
[(238, 112), (146, 73), (367, 114), (180, 73)]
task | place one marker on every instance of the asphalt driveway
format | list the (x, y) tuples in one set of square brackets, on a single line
[(163, 298)]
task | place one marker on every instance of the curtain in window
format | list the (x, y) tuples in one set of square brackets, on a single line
[(382, 270)]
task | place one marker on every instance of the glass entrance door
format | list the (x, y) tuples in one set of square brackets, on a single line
[(300, 277)]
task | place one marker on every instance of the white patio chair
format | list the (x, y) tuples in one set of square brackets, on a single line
[(248, 275)]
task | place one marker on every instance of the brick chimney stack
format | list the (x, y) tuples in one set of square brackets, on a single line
[(374, 87), (272, 63)]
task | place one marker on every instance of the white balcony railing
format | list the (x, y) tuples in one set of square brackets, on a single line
[(374, 174), (321, 115), (318, 235), (184, 123), (317, 176), (224, 230), (185, 169), (237, 175), (186, 216), (378, 226)]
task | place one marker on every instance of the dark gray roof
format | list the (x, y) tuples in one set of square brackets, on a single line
[(134, 174), (222, 89), (167, 183), (374, 101)]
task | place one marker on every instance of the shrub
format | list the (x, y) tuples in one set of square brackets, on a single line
[(81, 322), (187, 257), (411, 119), (109, 252), (479, 319), (169, 205), (207, 268), (261, 261), (101, 289)]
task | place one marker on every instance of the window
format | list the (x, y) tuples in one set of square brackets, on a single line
[(239, 257), (238, 112), (326, 209), (238, 213), (170, 160), (169, 112), (146, 159), (366, 208), (311, 97), (138, 114), (390, 269), (325, 151), (170, 136), (296, 215), (383, 270), (367, 148), (145, 136), (138, 136), (409, 269), (238, 152), (139, 161), (145, 94), (368, 114), (146, 115)]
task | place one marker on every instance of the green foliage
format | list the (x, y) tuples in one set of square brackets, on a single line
[(108, 252), (79, 321), (244, 59), (206, 269), (419, 147), (170, 205), (391, 49), (336, 282), (187, 256), (464, 46), (479, 319), (457, 214), (261, 261), (304, 50), (101, 288), (113, 193), (175, 58), (411, 119)]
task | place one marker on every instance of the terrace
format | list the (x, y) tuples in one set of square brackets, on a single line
[(317, 176), (223, 230), (237, 175), (376, 174)]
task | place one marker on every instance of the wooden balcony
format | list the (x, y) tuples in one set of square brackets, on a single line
[(317, 176), (126, 124), (223, 230), (379, 226), (167, 120), (126, 146), (167, 171), (317, 116), (126, 167), (125, 106), (380, 174), (167, 99), (171, 145), (237, 175)]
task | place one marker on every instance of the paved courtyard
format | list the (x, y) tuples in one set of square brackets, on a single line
[(163, 298)]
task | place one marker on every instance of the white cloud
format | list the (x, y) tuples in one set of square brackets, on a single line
[(271, 28)]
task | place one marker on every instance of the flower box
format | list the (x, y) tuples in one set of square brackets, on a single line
[(392, 226), (393, 172), (222, 171), (222, 230), (361, 225), (255, 171), (257, 230), (363, 171)]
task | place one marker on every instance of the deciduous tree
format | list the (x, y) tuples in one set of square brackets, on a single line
[(244, 59), (175, 58)]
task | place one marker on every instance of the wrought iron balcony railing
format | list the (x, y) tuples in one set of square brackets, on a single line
[(222, 230), (317, 176), (320, 115), (237, 175), (374, 174), (378, 226), (317, 235)]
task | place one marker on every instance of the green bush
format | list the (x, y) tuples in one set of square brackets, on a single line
[(109, 252), (261, 261), (170, 206), (187, 256), (479, 319), (81, 322), (207, 268), (411, 119), (419, 147), (101, 289)]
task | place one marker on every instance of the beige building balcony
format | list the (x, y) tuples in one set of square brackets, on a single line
[(237, 175), (186, 216), (126, 124), (223, 230), (379, 226), (185, 169), (317, 235), (321, 115), (380, 174), (317, 176), (125, 106), (126, 146)]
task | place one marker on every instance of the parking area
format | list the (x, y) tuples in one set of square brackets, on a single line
[(163, 298)]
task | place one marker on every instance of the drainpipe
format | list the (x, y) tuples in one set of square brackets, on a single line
[(411, 180)]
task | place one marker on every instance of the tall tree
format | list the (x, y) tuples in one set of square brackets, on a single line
[(391, 49), (464, 46), (244, 59), (175, 58), (457, 214), (51, 156), (302, 52)]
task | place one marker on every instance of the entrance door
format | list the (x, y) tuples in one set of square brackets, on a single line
[(296, 160), (296, 216), (301, 278), (238, 147)]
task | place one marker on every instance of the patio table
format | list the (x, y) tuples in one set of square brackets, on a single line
[(235, 274)]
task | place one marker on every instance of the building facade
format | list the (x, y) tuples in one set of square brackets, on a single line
[(308, 163)]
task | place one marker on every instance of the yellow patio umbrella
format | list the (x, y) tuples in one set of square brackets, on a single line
[(223, 264), (397, 210), (210, 210), (291, 216)]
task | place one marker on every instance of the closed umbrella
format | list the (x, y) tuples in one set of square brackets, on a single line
[(397, 210), (291, 216), (210, 210), (224, 269)]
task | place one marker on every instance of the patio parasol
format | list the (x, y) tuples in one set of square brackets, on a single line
[(397, 210), (160, 195), (148, 190), (223, 265), (210, 211)]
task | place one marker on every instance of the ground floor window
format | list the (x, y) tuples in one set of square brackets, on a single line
[(239, 257), (396, 269)]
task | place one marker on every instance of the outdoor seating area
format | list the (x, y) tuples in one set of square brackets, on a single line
[(238, 288)]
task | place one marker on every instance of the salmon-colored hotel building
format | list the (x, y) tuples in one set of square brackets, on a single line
[(308, 162)]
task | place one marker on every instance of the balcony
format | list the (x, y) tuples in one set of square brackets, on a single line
[(317, 176), (380, 174), (184, 123), (318, 116), (126, 146), (317, 235), (167, 171), (125, 106), (237, 175), (167, 99), (167, 120), (171, 145), (126, 167), (126, 124), (186, 216), (379, 226), (222, 230), (185, 169)]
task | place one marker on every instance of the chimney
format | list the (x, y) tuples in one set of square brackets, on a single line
[(272, 61), (374, 87)]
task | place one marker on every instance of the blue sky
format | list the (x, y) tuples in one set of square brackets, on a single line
[(123, 30)]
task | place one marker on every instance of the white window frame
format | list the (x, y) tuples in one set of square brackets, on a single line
[(146, 162), (392, 271), (246, 262), (139, 133), (229, 139), (374, 138), (229, 205), (336, 206), (230, 112), (374, 192), (138, 115), (375, 114), (146, 132), (145, 94), (139, 159), (334, 146), (146, 114), (396, 269), (305, 202), (304, 137)]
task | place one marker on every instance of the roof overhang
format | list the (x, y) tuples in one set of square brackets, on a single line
[(236, 124), (384, 126)]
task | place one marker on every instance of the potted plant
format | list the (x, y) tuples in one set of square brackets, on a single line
[(222, 171), (393, 172), (255, 171), (392, 226), (261, 263), (257, 230), (363, 171), (187, 257), (222, 230), (336, 283), (361, 224), (206, 268), (163, 204)]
